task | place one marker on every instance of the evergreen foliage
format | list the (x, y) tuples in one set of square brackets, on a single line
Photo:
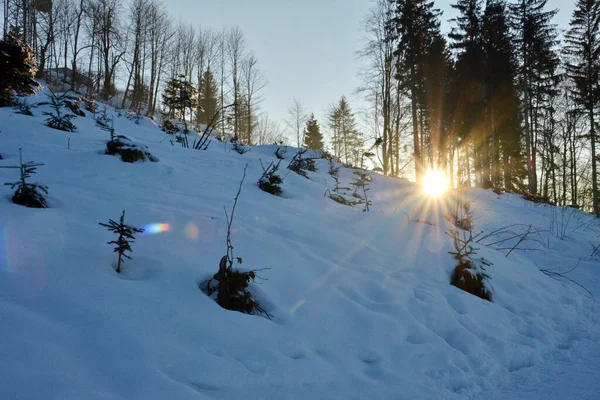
[(58, 119), (126, 237), (180, 96), (583, 68), (231, 286), (346, 141), (313, 138), (17, 68), (270, 181), (209, 107), (28, 194)]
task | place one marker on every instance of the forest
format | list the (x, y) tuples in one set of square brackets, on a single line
[(503, 100)]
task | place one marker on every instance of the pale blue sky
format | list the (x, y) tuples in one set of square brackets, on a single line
[(306, 48)]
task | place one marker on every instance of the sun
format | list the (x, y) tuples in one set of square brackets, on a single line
[(435, 183)]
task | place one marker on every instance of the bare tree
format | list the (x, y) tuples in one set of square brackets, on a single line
[(378, 76), (109, 32), (236, 50), (297, 117), (268, 131), (253, 81)]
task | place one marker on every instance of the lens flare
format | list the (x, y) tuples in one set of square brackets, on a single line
[(155, 229), (191, 231), (435, 183)]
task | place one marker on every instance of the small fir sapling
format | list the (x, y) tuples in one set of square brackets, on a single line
[(126, 237), (239, 147), (23, 108), (103, 120), (280, 153), (28, 194), (270, 181), (360, 183), (337, 195), (470, 273), (58, 120), (126, 149), (300, 165), (230, 285)]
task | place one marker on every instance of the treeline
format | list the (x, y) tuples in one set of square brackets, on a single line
[(127, 52), (499, 101)]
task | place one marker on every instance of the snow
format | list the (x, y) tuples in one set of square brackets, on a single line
[(361, 301)]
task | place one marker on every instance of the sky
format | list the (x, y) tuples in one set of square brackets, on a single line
[(307, 49)]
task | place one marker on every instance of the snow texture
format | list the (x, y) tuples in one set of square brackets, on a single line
[(361, 301)]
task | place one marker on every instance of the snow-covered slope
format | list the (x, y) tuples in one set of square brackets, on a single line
[(361, 301)]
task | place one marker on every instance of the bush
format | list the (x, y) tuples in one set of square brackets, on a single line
[(470, 273), (28, 194), (466, 278), (169, 127), (126, 237), (270, 182), (18, 68), (300, 165), (58, 120), (129, 151), (230, 286)]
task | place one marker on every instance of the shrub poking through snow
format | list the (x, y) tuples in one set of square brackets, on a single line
[(56, 119), (126, 237), (280, 153), (23, 108), (239, 147), (169, 127), (230, 286), (336, 195), (300, 165), (361, 183), (470, 273), (461, 214), (28, 194), (270, 181), (130, 152), (103, 120)]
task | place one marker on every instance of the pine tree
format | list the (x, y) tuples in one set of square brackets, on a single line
[(313, 139), (209, 107), (536, 38), (17, 68), (180, 97), (501, 97), (467, 40), (414, 23), (583, 48), (346, 141)]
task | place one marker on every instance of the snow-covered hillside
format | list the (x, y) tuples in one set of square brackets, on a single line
[(361, 301)]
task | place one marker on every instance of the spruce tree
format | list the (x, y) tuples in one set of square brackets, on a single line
[(466, 36), (313, 139), (414, 25), (346, 141), (17, 68), (536, 38), (209, 107), (501, 97), (180, 97), (583, 68)]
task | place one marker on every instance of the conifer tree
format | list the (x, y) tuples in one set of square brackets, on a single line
[(414, 23), (180, 97), (346, 140), (536, 38), (17, 68), (313, 138), (209, 108), (467, 40), (503, 119), (583, 67)]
